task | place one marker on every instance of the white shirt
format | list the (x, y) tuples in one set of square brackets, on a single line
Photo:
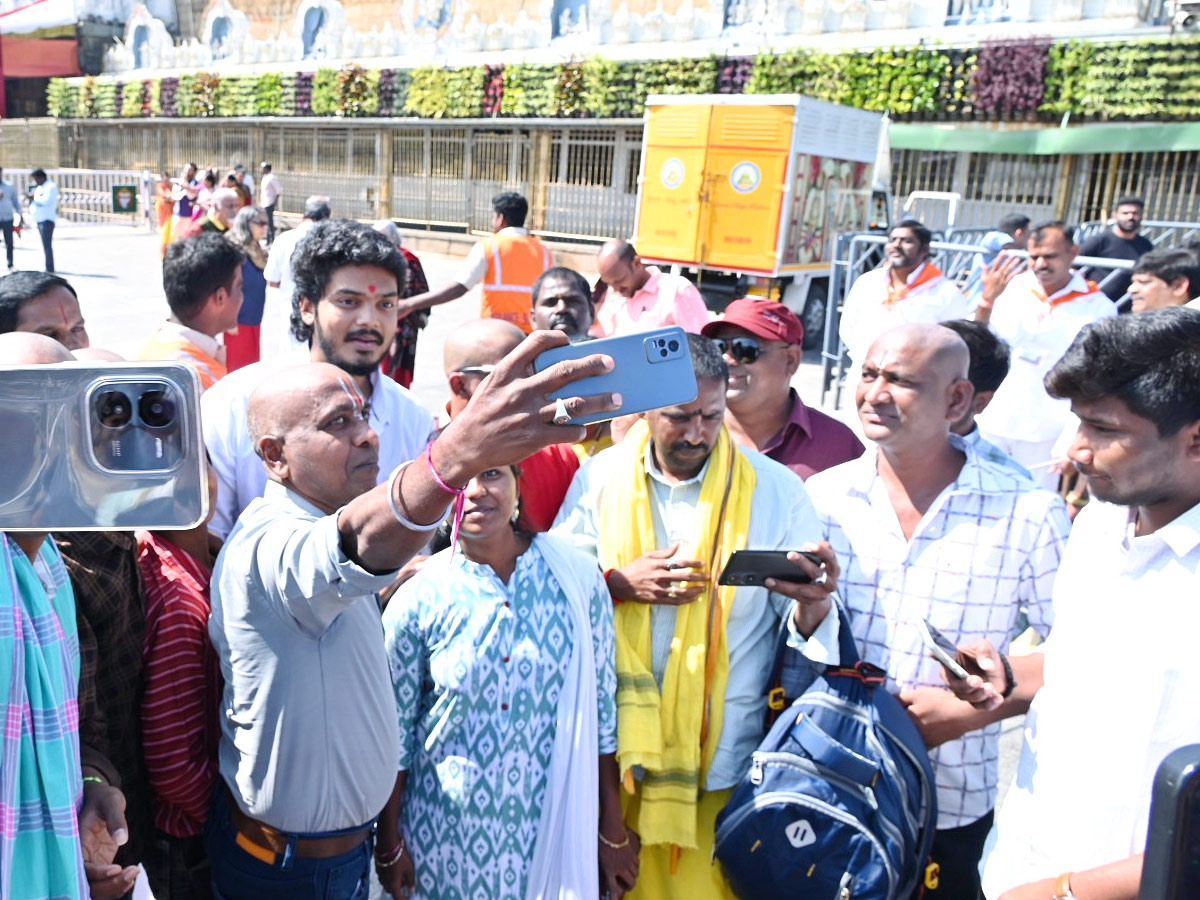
[(275, 335), (782, 518), (1122, 678), (309, 734), (402, 424), (475, 267), (269, 190), (44, 205), (985, 550), (1038, 334), (866, 315)]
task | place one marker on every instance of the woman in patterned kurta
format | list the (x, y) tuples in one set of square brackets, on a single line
[(479, 649)]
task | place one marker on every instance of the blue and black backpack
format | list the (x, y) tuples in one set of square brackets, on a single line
[(840, 800)]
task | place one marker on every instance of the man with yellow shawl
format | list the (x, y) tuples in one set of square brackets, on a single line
[(662, 511)]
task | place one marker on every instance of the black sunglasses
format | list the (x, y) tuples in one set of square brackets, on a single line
[(743, 349)]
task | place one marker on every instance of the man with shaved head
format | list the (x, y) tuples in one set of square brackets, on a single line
[(641, 297), (471, 352), (67, 809), (309, 733), (926, 528)]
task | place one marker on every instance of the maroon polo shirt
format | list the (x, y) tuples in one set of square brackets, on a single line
[(812, 442)]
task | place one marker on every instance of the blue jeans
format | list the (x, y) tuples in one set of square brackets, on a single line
[(46, 230), (236, 875)]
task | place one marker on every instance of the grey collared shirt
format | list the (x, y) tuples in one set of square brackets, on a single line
[(10, 202), (309, 735)]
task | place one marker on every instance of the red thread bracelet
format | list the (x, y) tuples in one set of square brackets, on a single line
[(459, 493)]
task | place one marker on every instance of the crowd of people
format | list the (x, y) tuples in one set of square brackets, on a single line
[(482, 652)]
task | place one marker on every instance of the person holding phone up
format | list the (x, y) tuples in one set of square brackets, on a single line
[(309, 733), (662, 512), (1114, 688), (924, 527)]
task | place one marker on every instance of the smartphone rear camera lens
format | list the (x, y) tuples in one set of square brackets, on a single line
[(156, 409), (673, 346), (663, 353), (114, 409)]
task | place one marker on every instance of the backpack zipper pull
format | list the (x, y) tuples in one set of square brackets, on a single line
[(756, 769), (844, 887)]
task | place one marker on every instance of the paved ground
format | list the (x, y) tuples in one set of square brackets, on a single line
[(116, 271)]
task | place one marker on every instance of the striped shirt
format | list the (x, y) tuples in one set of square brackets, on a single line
[(41, 784), (180, 733), (986, 550)]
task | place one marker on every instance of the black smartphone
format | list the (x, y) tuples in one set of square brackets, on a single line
[(750, 568), (1171, 866)]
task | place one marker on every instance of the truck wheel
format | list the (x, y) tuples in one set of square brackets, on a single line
[(813, 317)]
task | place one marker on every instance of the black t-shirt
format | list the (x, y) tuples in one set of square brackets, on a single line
[(1109, 246)]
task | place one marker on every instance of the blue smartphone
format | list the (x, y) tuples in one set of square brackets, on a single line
[(652, 369)]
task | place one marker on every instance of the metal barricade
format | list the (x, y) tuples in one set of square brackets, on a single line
[(855, 254), (85, 196), (1163, 235)]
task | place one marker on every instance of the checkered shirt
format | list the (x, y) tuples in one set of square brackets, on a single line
[(986, 549)]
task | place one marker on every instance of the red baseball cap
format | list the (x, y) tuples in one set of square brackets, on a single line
[(764, 318)]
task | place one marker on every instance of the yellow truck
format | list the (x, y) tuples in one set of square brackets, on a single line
[(745, 193)]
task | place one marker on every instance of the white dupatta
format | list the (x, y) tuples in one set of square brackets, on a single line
[(564, 865)]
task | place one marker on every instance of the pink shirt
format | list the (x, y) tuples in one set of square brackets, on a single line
[(664, 299)]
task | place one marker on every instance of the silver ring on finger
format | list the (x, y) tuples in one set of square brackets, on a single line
[(822, 578), (561, 414)]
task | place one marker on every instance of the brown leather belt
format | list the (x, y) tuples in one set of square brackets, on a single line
[(264, 843)]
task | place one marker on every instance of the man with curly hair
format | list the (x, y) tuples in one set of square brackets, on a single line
[(348, 281)]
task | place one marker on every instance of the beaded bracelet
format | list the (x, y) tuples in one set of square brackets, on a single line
[(395, 506)]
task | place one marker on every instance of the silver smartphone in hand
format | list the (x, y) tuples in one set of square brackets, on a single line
[(941, 648), (652, 369), (101, 447)]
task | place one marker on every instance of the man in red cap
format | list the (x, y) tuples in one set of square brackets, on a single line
[(761, 342)]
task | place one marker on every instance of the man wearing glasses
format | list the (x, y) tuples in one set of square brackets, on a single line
[(761, 342)]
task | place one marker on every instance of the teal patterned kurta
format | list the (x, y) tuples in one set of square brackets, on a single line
[(478, 667)]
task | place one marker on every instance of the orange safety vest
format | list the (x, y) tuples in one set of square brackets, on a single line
[(174, 348), (514, 262)]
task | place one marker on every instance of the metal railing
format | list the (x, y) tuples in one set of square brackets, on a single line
[(855, 254), (1163, 235), (580, 177), (85, 195)]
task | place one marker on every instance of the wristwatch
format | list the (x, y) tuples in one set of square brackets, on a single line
[(1062, 887)]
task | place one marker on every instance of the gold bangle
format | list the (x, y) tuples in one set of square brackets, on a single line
[(607, 843)]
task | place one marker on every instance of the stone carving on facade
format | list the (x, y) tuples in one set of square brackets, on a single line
[(442, 31)]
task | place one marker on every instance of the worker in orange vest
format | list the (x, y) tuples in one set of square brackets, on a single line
[(202, 278), (506, 265)]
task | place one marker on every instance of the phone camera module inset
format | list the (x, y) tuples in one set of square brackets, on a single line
[(114, 409), (156, 409)]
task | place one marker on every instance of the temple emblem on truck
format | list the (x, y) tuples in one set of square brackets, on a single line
[(745, 177), (672, 172)]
